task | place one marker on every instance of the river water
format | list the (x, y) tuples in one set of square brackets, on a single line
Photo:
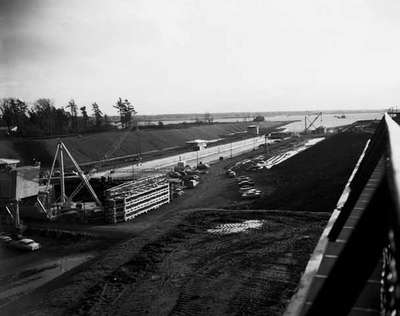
[(328, 120)]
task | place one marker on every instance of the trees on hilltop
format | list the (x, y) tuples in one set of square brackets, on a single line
[(126, 112), (13, 112), (42, 118)]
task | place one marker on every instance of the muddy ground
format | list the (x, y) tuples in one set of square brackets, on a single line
[(190, 271), (171, 264), (178, 267), (22, 272)]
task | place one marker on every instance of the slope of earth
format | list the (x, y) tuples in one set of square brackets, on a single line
[(90, 147), (314, 179)]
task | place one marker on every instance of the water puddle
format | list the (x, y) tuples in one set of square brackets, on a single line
[(25, 280), (233, 228)]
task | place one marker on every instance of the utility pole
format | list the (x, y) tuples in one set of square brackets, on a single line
[(305, 124), (62, 176), (266, 143), (17, 218)]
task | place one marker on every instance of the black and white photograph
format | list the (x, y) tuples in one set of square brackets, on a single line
[(200, 157)]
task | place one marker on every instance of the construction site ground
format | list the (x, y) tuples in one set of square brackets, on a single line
[(215, 190), (192, 257)]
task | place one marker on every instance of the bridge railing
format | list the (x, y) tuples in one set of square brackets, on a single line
[(374, 239)]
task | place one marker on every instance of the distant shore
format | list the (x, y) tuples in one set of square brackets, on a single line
[(242, 115)]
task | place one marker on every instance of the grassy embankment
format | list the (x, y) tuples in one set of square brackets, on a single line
[(314, 179), (91, 147)]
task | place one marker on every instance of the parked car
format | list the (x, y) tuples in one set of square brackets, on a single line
[(24, 244), (246, 182), (232, 174), (245, 189), (243, 178), (253, 190), (5, 238), (251, 194)]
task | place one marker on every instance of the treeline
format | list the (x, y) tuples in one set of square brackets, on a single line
[(42, 118)]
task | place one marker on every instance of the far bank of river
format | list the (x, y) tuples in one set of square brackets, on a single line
[(328, 119)]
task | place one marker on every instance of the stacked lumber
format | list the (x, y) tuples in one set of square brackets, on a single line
[(128, 200)]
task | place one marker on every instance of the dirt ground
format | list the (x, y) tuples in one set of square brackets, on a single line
[(172, 265), (179, 267), (190, 271)]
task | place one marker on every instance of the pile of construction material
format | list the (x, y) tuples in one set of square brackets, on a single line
[(261, 162), (185, 177), (130, 199)]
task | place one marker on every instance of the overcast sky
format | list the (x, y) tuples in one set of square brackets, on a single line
[(205, 55)]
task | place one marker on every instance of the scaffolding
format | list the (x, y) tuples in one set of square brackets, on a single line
[(64, 202), (311, 121)]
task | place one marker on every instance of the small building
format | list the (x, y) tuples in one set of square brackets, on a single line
[(198, 144), (253, 129), (17, 183)]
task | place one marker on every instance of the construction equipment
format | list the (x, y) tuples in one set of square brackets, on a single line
[(64, 201), (310, 121)]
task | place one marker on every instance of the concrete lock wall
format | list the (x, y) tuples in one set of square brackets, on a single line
[(209, 154), (192, 158)]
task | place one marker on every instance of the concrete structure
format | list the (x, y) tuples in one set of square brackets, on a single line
[(198, 144), (210, 154), (253, 130), (17, 183)]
